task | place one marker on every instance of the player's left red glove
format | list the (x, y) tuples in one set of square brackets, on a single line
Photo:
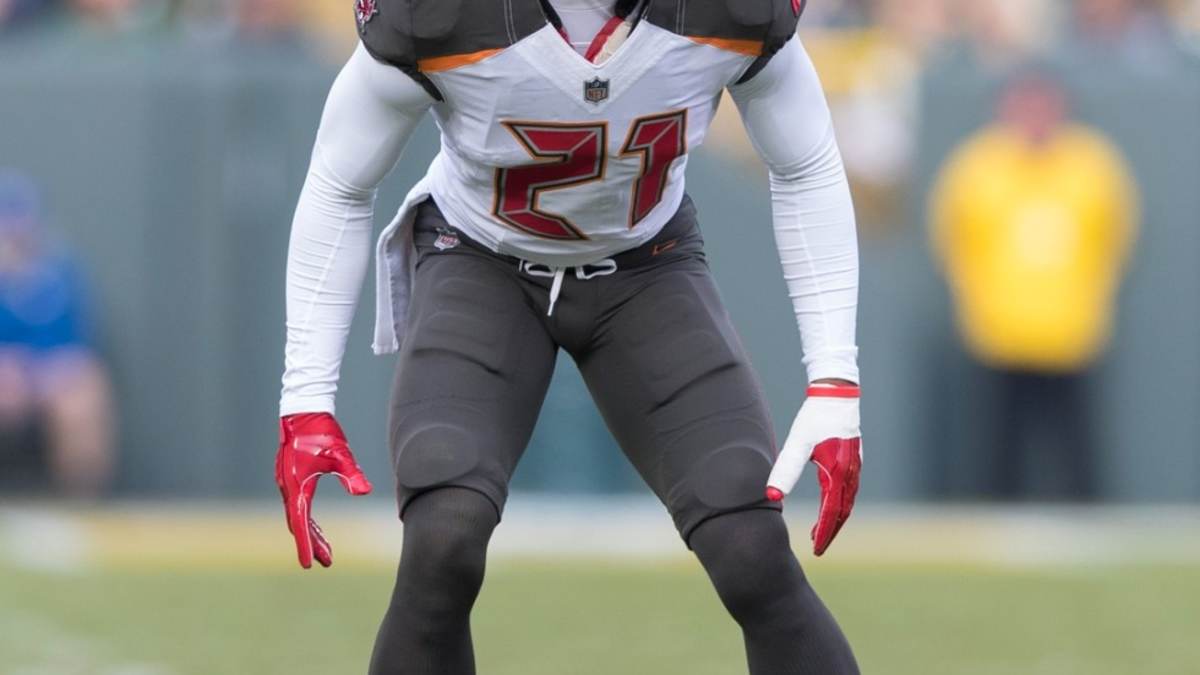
[(826, 432), (312, 444)]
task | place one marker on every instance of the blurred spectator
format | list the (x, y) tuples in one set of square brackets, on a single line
[(990, 39), (104, 15), (870, 75), (1130, 34), (55, 411), (844, 14), (112, 23), (16, 13), (268, 21), (1033, 218), (244, 31), (1188, 13), (1003, 33)]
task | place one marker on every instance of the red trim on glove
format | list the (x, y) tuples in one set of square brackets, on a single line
[(836, 391)]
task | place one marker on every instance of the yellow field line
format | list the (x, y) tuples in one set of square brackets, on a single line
[(255, 538)]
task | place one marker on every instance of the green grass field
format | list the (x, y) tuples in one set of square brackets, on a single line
[(567, 618)]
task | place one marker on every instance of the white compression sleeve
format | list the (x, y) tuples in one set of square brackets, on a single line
[(371, 111), (788, 120)]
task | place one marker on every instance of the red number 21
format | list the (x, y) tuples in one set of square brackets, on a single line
[(577, 155), (660, 140)]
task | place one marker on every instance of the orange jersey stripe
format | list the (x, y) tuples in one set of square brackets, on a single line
[(747, 47), (441, 63)]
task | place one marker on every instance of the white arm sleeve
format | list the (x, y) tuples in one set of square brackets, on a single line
[(788, 120), (371, 112)]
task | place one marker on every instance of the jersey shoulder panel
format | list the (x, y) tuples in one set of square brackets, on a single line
[(423, 36), (756, 28)]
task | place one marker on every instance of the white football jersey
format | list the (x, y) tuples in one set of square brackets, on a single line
[(555, 159), (548, 157), (545, 155)]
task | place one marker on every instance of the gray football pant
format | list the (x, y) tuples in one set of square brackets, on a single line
[(662, 361), (652, 340)]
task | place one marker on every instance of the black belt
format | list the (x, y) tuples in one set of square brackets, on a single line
[(680, 234)]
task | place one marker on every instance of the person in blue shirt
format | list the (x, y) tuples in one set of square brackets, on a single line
[(55, 402)]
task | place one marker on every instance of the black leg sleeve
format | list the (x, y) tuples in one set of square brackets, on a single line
[(787, 629), (427, 629)]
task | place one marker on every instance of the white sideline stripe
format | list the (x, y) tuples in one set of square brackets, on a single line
[(35, 645), (43, 540), (232, 535)]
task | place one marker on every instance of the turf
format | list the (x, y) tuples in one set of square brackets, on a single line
[(566, 618)]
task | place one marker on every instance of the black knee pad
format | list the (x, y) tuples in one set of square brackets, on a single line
[(731, 476), (440, 454), (434, 454), (719, 467)]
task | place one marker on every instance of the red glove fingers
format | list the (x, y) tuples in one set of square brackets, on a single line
[(312, 445), (839, 463)]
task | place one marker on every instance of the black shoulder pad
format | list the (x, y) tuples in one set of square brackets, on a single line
[(386, 30), (716, 19), (473, 26), (770, 22), (751, 12), (785, 17), (410, 33), (435, 19)]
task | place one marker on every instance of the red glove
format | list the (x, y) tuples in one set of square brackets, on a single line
[(312, 444), (826, 433)]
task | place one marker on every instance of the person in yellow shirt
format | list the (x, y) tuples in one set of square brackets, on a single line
[(1033, 218)]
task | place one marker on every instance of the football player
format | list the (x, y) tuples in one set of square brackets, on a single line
[(555, 218)]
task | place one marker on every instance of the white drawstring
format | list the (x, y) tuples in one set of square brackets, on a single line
[(601, 268), (556, 288)]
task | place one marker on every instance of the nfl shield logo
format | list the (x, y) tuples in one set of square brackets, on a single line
[(595, 91), (447, 239)]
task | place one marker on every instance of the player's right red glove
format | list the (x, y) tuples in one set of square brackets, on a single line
[(312, 444)]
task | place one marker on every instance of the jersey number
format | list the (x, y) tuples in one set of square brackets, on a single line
[(576, 154)]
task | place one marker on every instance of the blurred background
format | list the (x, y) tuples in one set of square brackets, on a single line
[(1027, 178)]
